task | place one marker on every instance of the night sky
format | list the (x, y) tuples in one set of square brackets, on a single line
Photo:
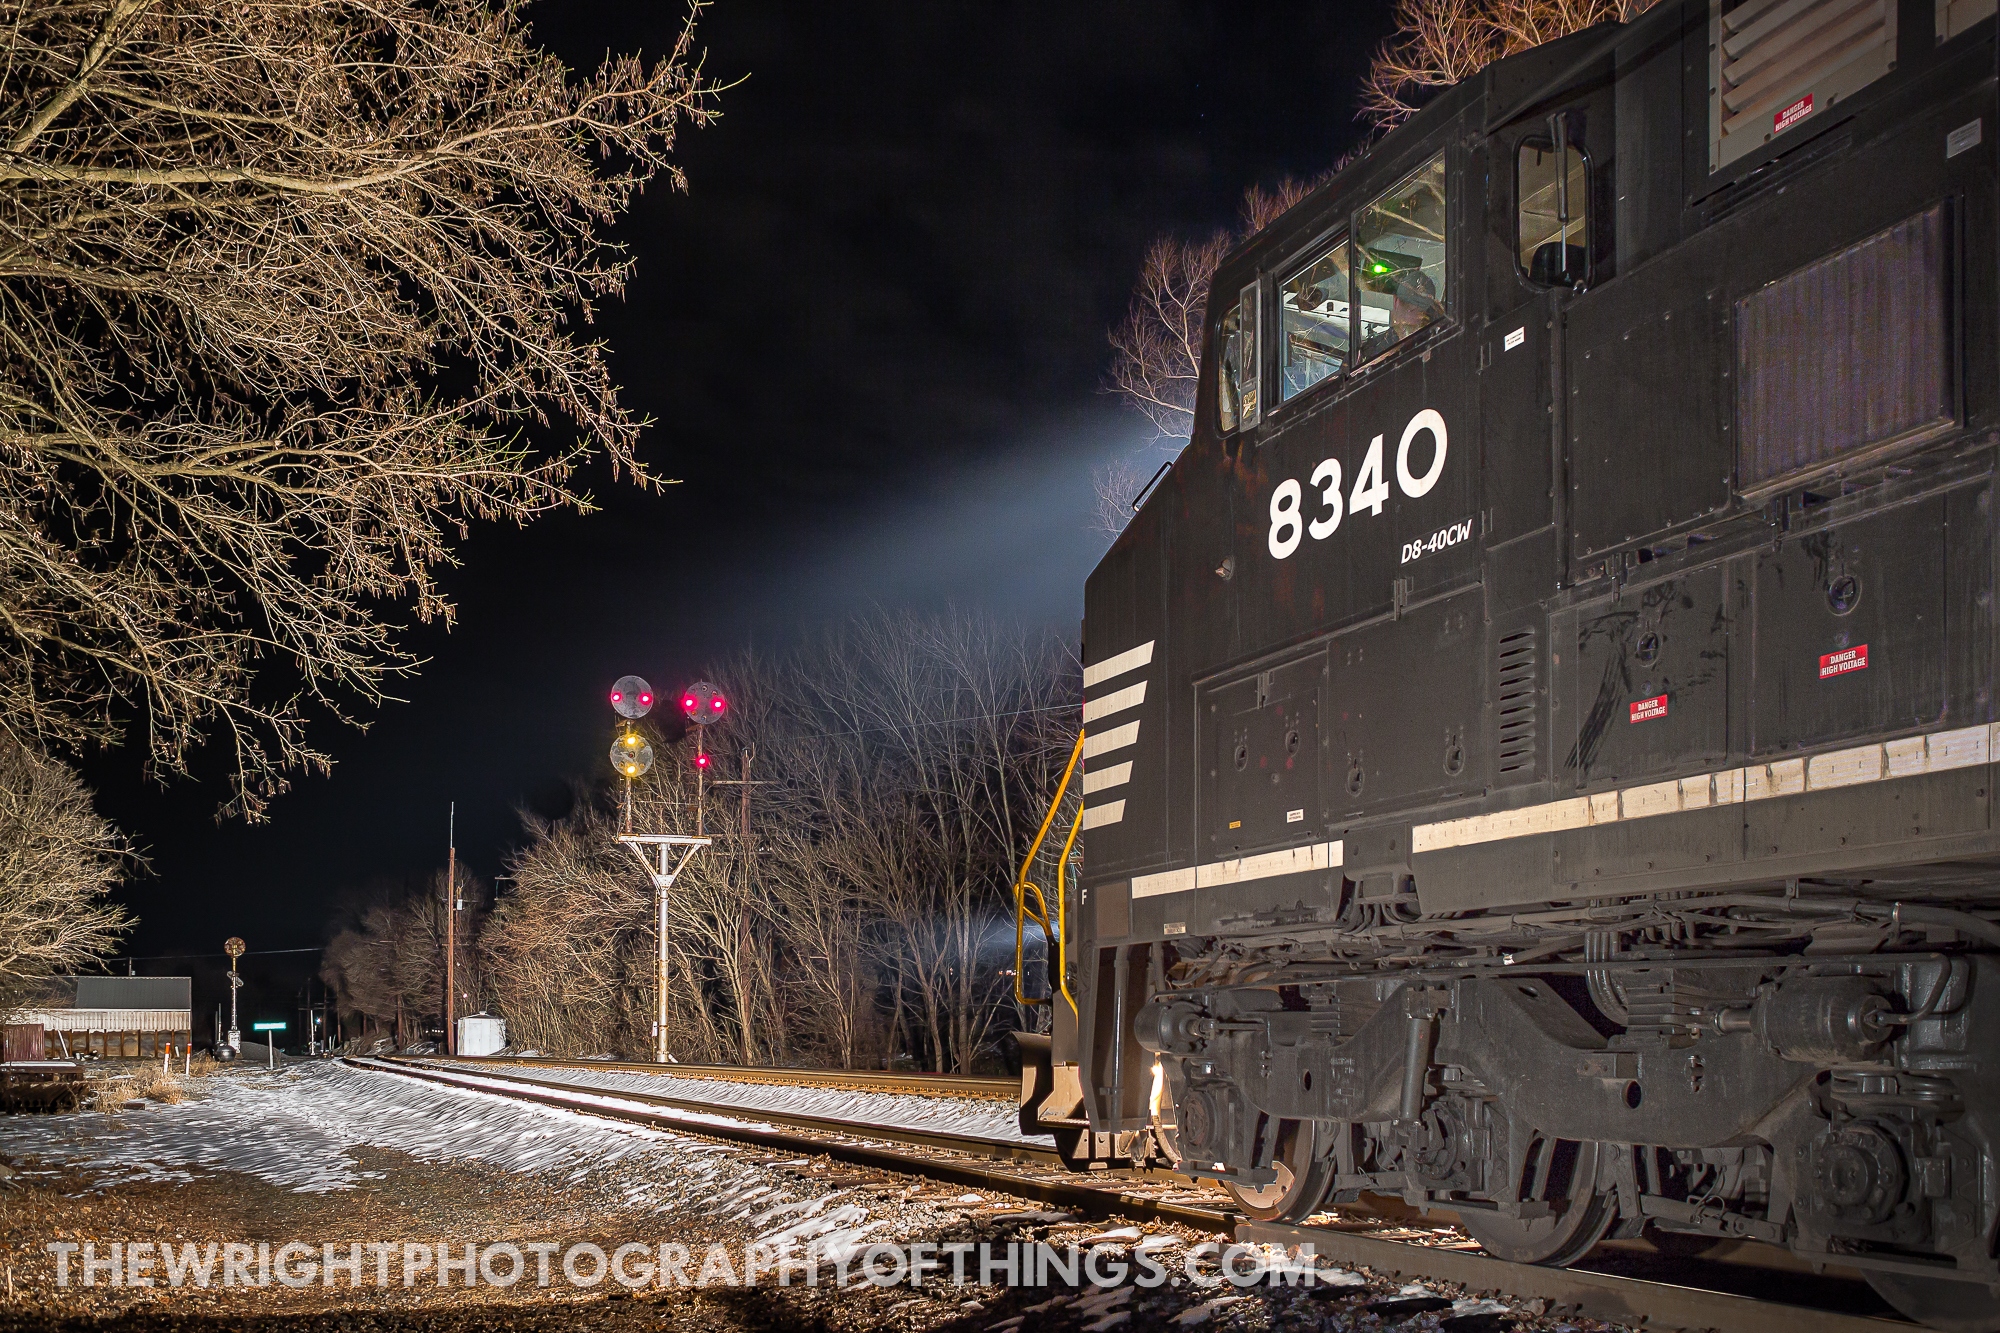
[(872, 338)]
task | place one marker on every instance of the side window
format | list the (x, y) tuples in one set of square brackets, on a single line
[(1399, 259), (1554, 224), (1315, 322), (1236, 363)]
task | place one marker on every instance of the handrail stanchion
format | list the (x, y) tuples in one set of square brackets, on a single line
[(1022, 913)]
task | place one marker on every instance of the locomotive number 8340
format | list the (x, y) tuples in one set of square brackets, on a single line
[(1539, 739)]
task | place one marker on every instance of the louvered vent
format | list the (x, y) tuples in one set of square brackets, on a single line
[(1516, 700), (1957, 16), (1776, 65)]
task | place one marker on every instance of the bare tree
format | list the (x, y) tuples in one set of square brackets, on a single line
[(285, 285), (1156, 348), (58, 860), (387, 963), (569, 950), (1438, 43), (964, 724)]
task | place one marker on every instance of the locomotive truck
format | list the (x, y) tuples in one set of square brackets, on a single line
[(1539, 737)]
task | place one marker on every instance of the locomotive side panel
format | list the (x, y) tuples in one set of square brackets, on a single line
[(1851, 637), (1642, 462)]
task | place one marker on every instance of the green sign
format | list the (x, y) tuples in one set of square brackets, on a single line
[(267, 1027)]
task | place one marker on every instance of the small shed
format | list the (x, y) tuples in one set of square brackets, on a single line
[(481, 1034)]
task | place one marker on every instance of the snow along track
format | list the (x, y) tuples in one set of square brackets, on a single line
[(1608, 1296), (988, 1114)]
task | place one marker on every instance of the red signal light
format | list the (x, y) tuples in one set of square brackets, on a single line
[(702, 703), (701, 761), (631, 697)]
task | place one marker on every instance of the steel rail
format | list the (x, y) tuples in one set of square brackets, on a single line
[(1613, 1297), (874, 1080), (1090, 1200), (971, 1145)]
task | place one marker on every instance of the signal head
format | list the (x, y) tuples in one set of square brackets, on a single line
[(631, 755), (632, 697), (701, 760), (703, 703)]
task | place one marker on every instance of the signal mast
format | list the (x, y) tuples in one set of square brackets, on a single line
[(632, 756)]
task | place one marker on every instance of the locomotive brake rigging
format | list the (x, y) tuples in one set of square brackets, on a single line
[(1540, 737)]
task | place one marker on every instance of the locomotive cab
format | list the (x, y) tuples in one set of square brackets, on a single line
[(1539, 736)]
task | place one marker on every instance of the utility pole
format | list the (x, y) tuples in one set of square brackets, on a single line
[(743, 942), (451, 932)]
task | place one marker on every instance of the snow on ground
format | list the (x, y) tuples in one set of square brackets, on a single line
[(978, 1117), (297, 1128)]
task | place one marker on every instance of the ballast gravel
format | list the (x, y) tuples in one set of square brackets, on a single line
[(324, 1153)]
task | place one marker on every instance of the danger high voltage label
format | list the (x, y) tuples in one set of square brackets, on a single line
[(1844, 661), (1645, 710)]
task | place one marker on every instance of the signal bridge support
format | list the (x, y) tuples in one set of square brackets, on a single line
[(663, 879)]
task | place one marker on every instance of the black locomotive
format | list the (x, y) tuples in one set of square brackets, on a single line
[(1540, 737)]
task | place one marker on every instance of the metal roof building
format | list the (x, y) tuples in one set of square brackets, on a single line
[(115, 1016)]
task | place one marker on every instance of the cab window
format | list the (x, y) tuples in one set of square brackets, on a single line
[(1554, 220), (1399, 261), (1315, 322), (1236, 363)]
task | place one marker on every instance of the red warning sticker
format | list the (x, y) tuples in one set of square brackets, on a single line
[(1847, 659), (1647, 709), (1792, 115)]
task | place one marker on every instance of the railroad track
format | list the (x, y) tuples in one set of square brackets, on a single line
[(860, 1080), (1711, 1295)]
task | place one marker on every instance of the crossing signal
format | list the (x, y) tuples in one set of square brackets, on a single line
[(701, 760)]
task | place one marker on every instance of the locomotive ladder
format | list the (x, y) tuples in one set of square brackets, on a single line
[(1039, 913)]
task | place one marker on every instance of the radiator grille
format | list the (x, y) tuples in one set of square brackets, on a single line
[(1846, 359), (1779, 64), (1516, 701)]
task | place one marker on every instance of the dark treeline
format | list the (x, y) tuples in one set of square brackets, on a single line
[(899, 768)]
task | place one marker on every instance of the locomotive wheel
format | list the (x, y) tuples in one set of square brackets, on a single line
[(1305, 1173), (1955, 1307), (1580, 1220)]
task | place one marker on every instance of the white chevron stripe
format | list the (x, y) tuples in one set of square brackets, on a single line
[(1129, 660), (1096, 816), (1104, 742), (1115, 702), (1115, 776)]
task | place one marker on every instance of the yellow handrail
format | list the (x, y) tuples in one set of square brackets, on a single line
[(1062, 910), (1023, 913)]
